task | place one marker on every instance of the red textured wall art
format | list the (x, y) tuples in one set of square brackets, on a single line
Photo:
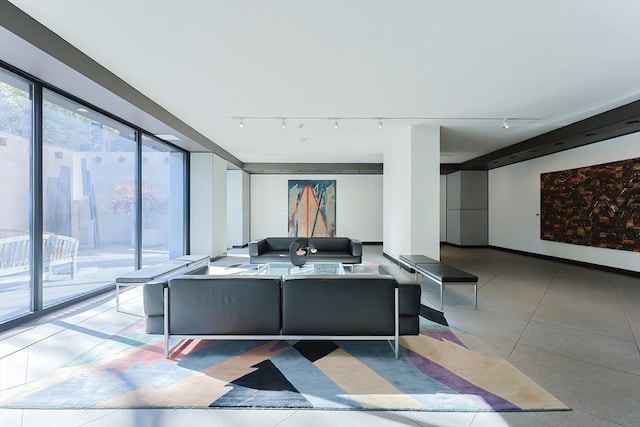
[(594, 206)]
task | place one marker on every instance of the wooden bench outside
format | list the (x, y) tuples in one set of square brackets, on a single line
[(442, 274), (57, 250)]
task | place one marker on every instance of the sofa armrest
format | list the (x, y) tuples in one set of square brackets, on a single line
[(409, 291), (355, 246), (257, 247), (153, 298)]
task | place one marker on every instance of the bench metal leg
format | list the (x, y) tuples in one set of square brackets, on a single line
[(475, 296)]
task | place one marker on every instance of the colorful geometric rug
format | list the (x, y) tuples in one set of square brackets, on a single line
[(439, 370)]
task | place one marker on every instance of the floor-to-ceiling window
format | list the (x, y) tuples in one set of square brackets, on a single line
[(89, 165), (163, 172), (16, 109), (84, 198)]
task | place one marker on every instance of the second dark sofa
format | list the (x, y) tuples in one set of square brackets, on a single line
[(329, 249)]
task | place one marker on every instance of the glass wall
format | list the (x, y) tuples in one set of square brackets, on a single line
[(163, 171), (16, 109), (95, 187), (89, 166)]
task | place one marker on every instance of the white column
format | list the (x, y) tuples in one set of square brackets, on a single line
[(208, 195), (412, 193), (238, 213)]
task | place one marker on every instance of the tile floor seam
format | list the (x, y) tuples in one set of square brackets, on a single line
[(626, 315), (99, 418), (580, 360), (414, 422), (585, 331), (64, 329), (546, 289), (604, 419), (58, 314), (480, 286), (285, 419), (32, 343)]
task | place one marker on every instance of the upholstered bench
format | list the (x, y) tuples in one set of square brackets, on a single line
[(440, 273), (444, 275), (180, 265), (412, 260)]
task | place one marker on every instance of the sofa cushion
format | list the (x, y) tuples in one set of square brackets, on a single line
[(356, 304), (224, 305)]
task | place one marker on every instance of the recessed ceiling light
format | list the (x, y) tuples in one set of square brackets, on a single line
[(168, 137), (82, 110)]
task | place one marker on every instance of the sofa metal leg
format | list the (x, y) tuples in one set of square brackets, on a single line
[(166, 322), (397, 320)]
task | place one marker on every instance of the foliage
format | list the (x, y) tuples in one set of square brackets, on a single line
[(15, 106), (123, 198)]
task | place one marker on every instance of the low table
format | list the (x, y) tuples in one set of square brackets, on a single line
[(286, 268)]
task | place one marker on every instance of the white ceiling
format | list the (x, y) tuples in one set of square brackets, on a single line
[(466, 65)]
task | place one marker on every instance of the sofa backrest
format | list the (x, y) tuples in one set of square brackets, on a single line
[(279, 243), (330, 244), (354, 304), (224, 304)]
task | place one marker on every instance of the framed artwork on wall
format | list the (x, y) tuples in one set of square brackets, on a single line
[(312, 208), (594, 206)]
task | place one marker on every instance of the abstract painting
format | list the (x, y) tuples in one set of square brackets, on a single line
[(593, 206), (312, 208)]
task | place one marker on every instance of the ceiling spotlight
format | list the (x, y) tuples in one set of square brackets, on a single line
[(336, 125), (284, 123), (379, 123), (241, 124), (505, 125)]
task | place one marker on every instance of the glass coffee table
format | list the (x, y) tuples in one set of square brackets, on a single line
[(286, 268)]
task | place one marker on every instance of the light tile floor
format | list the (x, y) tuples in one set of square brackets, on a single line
[(573, 330)]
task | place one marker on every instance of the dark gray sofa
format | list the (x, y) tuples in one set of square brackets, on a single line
[(330, 249), (347, 307)]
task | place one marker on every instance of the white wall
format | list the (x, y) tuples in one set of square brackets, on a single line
[(514, 203), (358, 205)]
